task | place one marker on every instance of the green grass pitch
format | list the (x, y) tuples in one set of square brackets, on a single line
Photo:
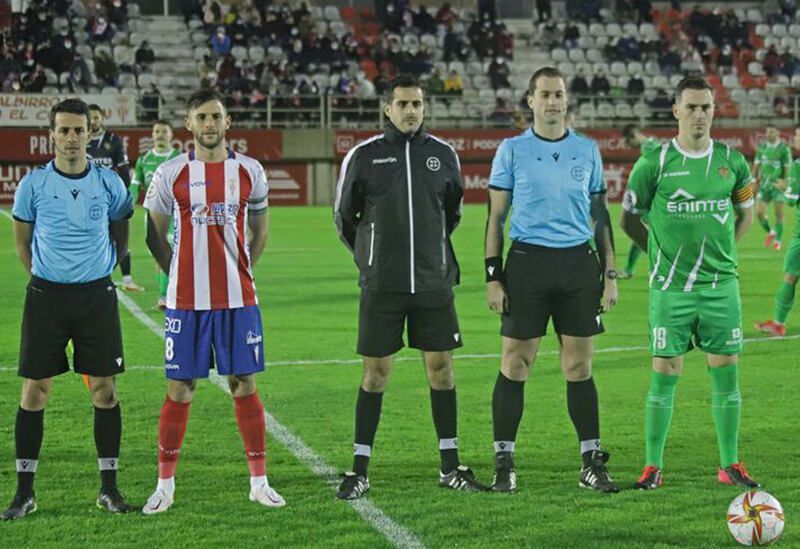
[(309, 296)]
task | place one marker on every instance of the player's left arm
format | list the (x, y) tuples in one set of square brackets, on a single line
[(23, 237), (742, 197), (120, 210), (454, 197), (121, 162), (258, 217)]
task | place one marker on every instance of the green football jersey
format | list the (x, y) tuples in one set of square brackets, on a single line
[(793, 193), (147, 165), (773, 159), (689, 201), (649, 144)]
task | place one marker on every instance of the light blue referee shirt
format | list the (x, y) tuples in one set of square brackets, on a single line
[(70, 216), (551, 182)]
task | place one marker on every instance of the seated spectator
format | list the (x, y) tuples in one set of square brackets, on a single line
[(550, 37), (501, 116), (635, 87), (453, 45), (80, 77), (579, 87), (788, 10), (772, 62), (34, 81), (221, 43), (446, 15), (499, 73), (63, 51), (151, 103), (624, 10), (106, 69), (212, 15), (12, 83), (434, 85), (600, 84), (628, 49), (117, 13), (487, 10), (644, 9), (44, 55), (394, 19), (382, 81), (453, 84), (227, 71), (669, 61), (661, 105), (790, 64), (100, 30), (571, 35), (725, 60), (145, 56), (424, 21), (503, 41)]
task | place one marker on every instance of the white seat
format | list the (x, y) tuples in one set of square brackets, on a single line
[(730, 81), (505, 93), (456, 110), (597, 29), (755, 68), (623, 110), (765, 110), (587, 110), (675, 79), (51, 77), (145, 79), (133, 11), (457, 66), (316, 12), (164, 81), (474, 67), (558, 55), (51, 90), (739, 95), (634, 67), (331, 13), (756, 95), (647, 29), (660, 81), (195, 23), (630, 29), (256, 54), (239, 53), (576, 55), (486, 94), (606, 110), (123, 55), (102, 48), (641, 110), (622, 81), (796, 81), (410, 40), (762, 29), (110, 90), (428, 40), (794, 30), (593, 55), (788, 42), (754, 16), (481, 82), (199, 52), (127, 80), (618, 68), (64, 77), (613, 30), (136, 39), (566, 68), (652, 68), (779, 30)]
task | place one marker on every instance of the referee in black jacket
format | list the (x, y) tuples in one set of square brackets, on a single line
[(398, 200)]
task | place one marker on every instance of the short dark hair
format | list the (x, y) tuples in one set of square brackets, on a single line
[(203, 96), (692, 83), (161, 122), (629, 130), (401, 81), (71, 106), (547, 72), (96, 107)]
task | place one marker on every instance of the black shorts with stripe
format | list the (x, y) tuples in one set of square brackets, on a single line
[(87, 314), (564, 284)]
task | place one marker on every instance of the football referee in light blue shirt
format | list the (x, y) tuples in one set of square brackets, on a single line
[(70, 218), (552, 180)]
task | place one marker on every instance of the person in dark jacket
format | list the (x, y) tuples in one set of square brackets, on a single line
[(398, 200)]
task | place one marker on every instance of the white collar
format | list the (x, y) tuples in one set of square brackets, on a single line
[(688, 154)]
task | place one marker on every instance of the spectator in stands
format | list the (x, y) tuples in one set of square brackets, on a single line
[(503, 41), (34, 81), (100, 30), (487, 10), (22, 29), (579, 87), (661, 105), (788, 10), (191, 9), (212, 15), (63, 51), (394, 19), (12, 83), (145, 56), (644, 10), (44, 55), (221, 43), (424, 21), (227, 71), (446, 15), (41, 26), (151, 103), (624, 10), (434, 85), (382, 81), (571, 35), (453, 45), (790, 64), (80, 77), (725, 60), (499, 73), (204, 71), (635, 88), (117, 13), (628, 49), (772, 62), (501, 115), (600, 84), (544, 10), (453, 84), (669, 61), (550, 37), (106, 69)]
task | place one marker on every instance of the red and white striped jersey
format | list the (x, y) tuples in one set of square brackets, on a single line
[(209, 203)]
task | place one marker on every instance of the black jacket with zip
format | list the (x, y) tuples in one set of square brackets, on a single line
[(398, 200)]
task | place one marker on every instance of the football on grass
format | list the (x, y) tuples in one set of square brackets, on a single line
[(755, 518)]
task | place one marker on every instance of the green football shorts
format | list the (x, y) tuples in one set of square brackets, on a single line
[(770, 193), (791, 262), (710, 319)]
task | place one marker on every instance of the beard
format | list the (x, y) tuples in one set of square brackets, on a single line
[(209, 141)]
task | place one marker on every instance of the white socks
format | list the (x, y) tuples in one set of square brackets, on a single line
[(257, 482), (167, 485)]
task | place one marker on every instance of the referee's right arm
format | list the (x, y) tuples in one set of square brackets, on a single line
[(24, 213), (501, 183)]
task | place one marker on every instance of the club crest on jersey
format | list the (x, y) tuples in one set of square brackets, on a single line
[(723, 172), (433, 164)]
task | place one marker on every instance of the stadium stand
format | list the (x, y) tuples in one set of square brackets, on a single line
[(315, 64)]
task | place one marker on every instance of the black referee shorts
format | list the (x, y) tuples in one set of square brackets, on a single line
[(562, 283), (88, 314), (432, 322)]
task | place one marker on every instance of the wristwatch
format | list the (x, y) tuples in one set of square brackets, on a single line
[(611, 274)]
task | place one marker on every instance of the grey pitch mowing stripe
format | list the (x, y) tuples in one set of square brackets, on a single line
[(396, 534)]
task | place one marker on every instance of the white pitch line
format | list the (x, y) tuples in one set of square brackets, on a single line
[(396, 534)]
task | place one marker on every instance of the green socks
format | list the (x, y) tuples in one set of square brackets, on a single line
[(658, 416), (778, 231), (163, 282), (633, 257), (764, 224), (726, 404), (784, 299)]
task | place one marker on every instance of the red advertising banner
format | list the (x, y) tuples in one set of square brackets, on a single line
[(18, 145), (482, 144), (288, 183)]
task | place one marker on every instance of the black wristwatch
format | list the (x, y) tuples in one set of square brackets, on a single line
[(611, 274)]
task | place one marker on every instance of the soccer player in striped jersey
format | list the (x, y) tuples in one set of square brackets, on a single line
[(218, 201), (146, 167), (784, 297), (773, 161), (636, 139), (698, 198)]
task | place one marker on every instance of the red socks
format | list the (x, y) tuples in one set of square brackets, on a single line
[(171, 428), (252, 426)]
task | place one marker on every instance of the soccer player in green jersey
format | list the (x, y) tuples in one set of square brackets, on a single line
[(784, 297), (773, 161), (634, 138), (146, 166), (698, 198)]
